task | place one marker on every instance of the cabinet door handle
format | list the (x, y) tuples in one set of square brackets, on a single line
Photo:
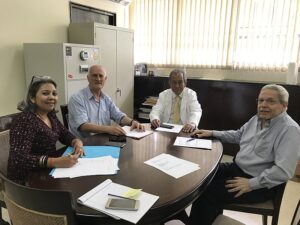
[(119, 91)]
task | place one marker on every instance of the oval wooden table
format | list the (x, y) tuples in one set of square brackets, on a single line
[(174, 194)]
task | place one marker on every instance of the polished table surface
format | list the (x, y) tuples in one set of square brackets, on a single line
[(174, 194)]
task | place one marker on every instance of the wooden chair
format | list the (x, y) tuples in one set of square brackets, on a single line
[(296, 217), (268, 208), (4, 151), (225, 220), (65, 115), (30, 206)]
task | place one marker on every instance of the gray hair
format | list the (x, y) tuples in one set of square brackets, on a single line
[(283, 94), (177, 71)]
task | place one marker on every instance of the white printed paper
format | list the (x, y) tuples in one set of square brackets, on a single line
[(193, 142), (172, 165)]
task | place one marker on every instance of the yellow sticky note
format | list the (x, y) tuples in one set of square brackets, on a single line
[(132, 193)]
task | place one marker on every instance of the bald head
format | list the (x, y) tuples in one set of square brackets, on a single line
[(96, 68), (96, 77)]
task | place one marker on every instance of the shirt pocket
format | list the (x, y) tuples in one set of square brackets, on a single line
[(263, 148)]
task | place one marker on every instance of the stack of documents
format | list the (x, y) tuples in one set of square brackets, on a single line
[(172, 165), (151, 101), (193, 142), (98, 196), (98, 160), (135, 133), (176, 128), (105, 165)]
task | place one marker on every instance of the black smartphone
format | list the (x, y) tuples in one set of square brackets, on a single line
[(166, 126), (116, 144), (115, 138)]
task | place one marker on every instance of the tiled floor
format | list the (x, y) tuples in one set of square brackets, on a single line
[(290, 199)]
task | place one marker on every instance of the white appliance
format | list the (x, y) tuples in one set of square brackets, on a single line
[(67, 64)]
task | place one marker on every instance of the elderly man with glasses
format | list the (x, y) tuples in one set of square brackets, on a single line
[(177, 105), (269, 148)]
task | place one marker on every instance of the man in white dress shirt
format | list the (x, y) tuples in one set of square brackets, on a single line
[(177, 105)]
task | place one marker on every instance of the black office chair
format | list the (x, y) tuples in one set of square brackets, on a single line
[(30, 206), (268, 208), (296, 217), (65, 115), (226, 220)]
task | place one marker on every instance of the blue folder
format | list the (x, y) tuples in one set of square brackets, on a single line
[(97, 151)]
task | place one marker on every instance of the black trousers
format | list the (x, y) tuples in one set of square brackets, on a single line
[(210, 204)]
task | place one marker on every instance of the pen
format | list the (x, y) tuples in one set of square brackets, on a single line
[(70, 154), (119, 196), (191, 139)]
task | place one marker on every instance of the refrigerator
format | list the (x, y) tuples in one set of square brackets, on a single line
[(66, 63)]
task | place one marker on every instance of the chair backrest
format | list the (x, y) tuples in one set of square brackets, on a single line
[(30, 206), (296, 217), (225, 220), (65, 115), (6, 121), (4, 150)]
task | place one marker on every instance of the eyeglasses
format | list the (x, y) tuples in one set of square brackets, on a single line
[(268, 101), (178, 82), (39, 78)]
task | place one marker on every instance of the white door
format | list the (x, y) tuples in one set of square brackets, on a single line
[(125, 78)]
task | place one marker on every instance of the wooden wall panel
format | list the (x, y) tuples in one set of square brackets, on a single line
[(226, 105)]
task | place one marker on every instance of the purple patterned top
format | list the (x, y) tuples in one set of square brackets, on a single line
[(30, 139)]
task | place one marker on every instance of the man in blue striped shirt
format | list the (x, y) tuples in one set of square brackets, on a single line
[(91, 110)]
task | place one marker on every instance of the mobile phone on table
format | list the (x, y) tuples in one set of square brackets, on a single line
[(122, 204), (116, 144), (114, 138), (166, 126)]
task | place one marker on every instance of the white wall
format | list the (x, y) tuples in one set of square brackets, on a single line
[(47, 21), (34, 21)]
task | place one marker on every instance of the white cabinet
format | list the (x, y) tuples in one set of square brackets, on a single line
[(63, 62), (116, 45)]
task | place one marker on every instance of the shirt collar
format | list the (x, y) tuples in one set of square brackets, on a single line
[(174, 96), (278, 117), (90, 95), (272, 121)]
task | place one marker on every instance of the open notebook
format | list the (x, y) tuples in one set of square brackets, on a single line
[(98, 196)]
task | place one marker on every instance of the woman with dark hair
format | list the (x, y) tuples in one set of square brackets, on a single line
[(33, 135)]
